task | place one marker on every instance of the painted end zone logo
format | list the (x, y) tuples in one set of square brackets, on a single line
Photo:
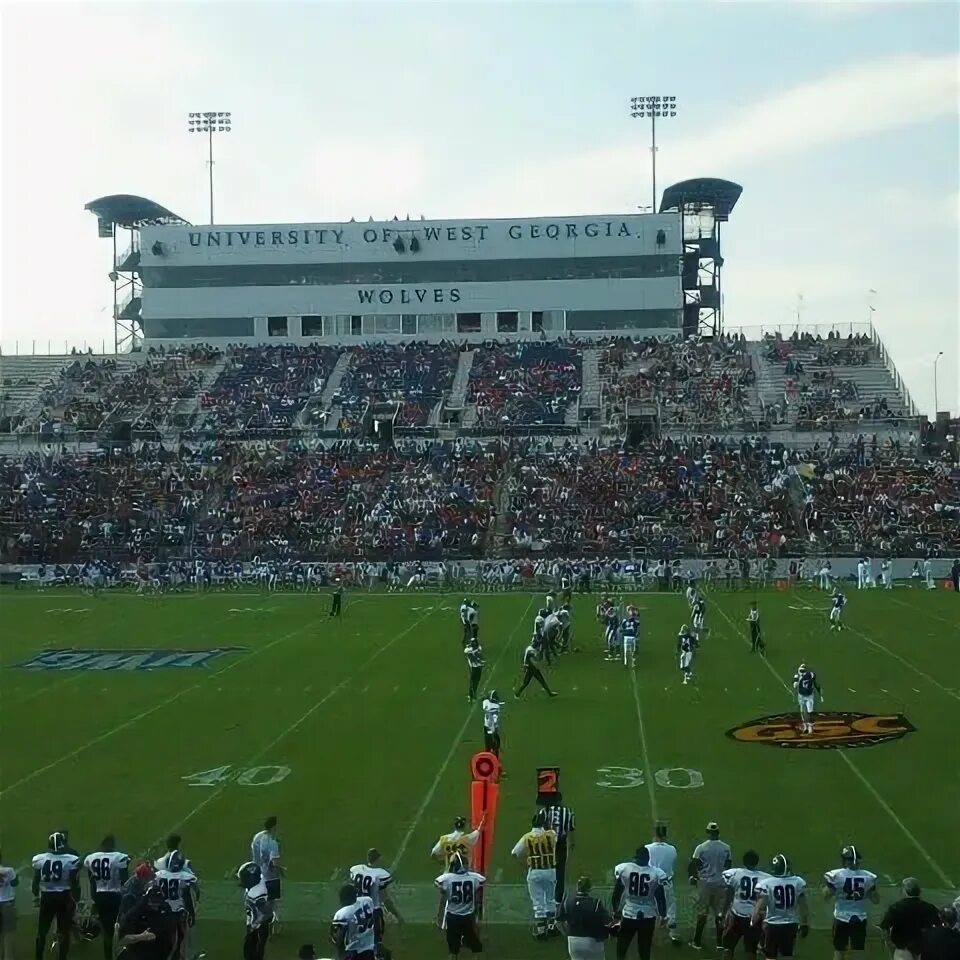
[(123, 659), (831, 730)]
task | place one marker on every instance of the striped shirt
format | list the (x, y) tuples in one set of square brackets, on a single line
[(560, 820)]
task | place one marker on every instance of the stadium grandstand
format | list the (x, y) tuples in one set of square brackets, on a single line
[(416, 389)]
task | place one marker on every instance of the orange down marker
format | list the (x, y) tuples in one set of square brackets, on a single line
[(484, 795)]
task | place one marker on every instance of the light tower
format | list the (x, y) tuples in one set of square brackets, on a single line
[(656, 108), (209, 122)]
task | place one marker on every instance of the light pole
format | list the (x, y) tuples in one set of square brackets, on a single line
[(936, 392), (209, 122), (655, 108)]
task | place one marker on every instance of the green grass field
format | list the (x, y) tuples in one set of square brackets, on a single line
[(357, 733)]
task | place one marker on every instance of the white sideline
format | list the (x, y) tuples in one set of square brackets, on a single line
[(937, 869), (260, 754), (457, 740)]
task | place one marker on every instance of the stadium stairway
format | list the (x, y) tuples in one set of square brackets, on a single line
[(458, 392), (590, 390), (331, 388)]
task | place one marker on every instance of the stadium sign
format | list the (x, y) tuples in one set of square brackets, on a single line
[(64, 660), (461, 233), (832, 730)]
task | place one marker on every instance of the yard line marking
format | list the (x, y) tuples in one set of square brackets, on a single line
[(647, 768), (937, 869), (927, 613), (851, 689), (457, 741), (150, 711), (906, 663), (260, 754)]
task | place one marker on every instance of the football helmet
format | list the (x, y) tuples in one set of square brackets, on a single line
[(850, 855), (57, 842), (176, 862), (779, 866), (458, 864), (249, 875), (494, 696), (460, 823)]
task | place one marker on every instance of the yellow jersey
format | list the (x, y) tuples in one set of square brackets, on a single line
[(540, 847), (450, 844)]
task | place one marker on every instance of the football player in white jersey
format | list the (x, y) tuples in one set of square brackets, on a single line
[(56, 886), (372, 880), (176, 882), (108, 870), (807, 689), (491, 707), (782, 907), (664, 856), (851, 887), (460, 892), (256, 907), (638, 898), (265, 853), (352, 928), (742, 883)]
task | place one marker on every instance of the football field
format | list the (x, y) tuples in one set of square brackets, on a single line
[(204, 714)]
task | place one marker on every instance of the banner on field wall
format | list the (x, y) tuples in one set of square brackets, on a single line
[(484, 796)]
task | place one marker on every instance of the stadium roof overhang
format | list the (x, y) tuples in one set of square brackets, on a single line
[(720, 196), (126, 210)]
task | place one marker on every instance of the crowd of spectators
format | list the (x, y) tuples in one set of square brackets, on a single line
[(700, 495), (353, 499), (532, 382), (696, 383), (264, 387), (57, 508), (415, 375), (894, 504)]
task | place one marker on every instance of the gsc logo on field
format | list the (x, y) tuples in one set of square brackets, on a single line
[(831, 730), (64, 660)]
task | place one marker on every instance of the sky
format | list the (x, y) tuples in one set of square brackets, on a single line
[(840, 121)]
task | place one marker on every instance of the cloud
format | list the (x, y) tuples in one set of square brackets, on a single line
[(844, 105)]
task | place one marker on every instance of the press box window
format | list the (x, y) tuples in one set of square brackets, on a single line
[(311, 326), (276, 326), (507, 321), (468, 323)]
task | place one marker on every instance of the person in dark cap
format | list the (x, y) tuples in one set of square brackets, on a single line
[(943, 942), (905, 921), (585, 921)]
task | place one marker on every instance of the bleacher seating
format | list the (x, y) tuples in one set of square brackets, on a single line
[(264, 386), (414, 375), (530, 382)]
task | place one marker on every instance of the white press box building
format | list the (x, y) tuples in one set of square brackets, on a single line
[(585, 275)]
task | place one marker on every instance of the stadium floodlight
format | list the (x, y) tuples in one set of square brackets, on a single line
[(655, 108), (209, 122)]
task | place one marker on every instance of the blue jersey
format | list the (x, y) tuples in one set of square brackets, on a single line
[(806, 683), (839, 600), (630, 628)]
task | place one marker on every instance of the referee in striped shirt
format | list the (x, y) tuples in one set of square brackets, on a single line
[(561, 820)]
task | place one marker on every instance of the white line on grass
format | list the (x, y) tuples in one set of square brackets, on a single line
[(260, 754), (906, 663), (924, 612), (647, 768), (457, 740), (937, 869), (151, 710)]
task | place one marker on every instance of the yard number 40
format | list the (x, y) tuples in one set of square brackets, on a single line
[(249, 777)]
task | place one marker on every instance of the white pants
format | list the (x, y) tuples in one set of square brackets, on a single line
[(542, 884), (584, 948), (671, 898), (862, 579), (835, 614), (629, 650)]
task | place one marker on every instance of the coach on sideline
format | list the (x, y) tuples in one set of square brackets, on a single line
[(905, 921), (585, 921)]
